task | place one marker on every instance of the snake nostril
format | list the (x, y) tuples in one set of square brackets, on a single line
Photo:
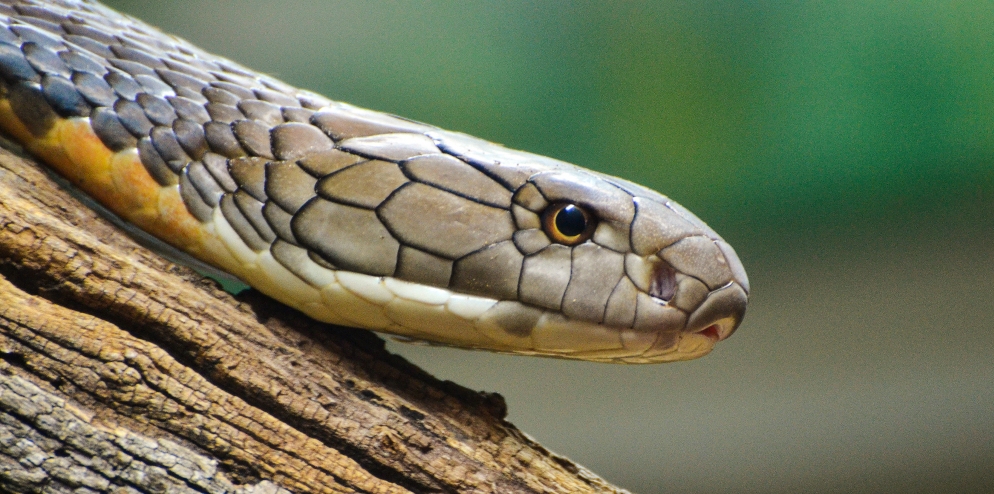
[(663, 283)]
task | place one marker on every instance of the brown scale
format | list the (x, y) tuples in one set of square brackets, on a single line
[(366, 185), (449, 174), (495, 270), (262, 112)]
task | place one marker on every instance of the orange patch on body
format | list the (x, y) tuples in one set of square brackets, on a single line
[(89, 164), (12, 125), (47, 147), (118, 180)]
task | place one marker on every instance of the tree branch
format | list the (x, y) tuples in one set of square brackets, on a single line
[(119, 369)]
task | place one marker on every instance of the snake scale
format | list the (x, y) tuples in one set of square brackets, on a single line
[(356, 217)]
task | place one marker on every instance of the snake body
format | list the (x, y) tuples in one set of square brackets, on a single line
[(357, 217)]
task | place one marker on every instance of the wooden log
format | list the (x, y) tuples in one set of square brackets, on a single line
[(123, 372)]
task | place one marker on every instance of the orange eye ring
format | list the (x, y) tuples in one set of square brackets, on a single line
[(567, 223)]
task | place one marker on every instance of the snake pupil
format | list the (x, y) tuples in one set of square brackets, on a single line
[(570, 221)]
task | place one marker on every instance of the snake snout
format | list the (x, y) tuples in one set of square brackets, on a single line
[(711, 285), (723, 308)]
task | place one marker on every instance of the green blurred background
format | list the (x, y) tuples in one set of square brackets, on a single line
[(844, 149)]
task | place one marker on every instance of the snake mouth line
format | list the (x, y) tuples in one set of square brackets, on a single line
[(712, 332), (721, 329)]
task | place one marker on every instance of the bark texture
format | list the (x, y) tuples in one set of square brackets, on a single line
[(123, 372)]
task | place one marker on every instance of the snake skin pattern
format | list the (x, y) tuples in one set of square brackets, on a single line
[(357, 217)]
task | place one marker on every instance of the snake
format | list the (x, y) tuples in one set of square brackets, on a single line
[(356, 217)]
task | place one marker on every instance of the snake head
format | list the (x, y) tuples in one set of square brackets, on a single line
[(440, 237), (603, 269), (667, 284)]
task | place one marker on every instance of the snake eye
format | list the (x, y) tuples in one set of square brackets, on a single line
[(568, 224)]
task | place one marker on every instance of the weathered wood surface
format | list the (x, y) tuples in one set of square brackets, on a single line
[(122, 372)]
